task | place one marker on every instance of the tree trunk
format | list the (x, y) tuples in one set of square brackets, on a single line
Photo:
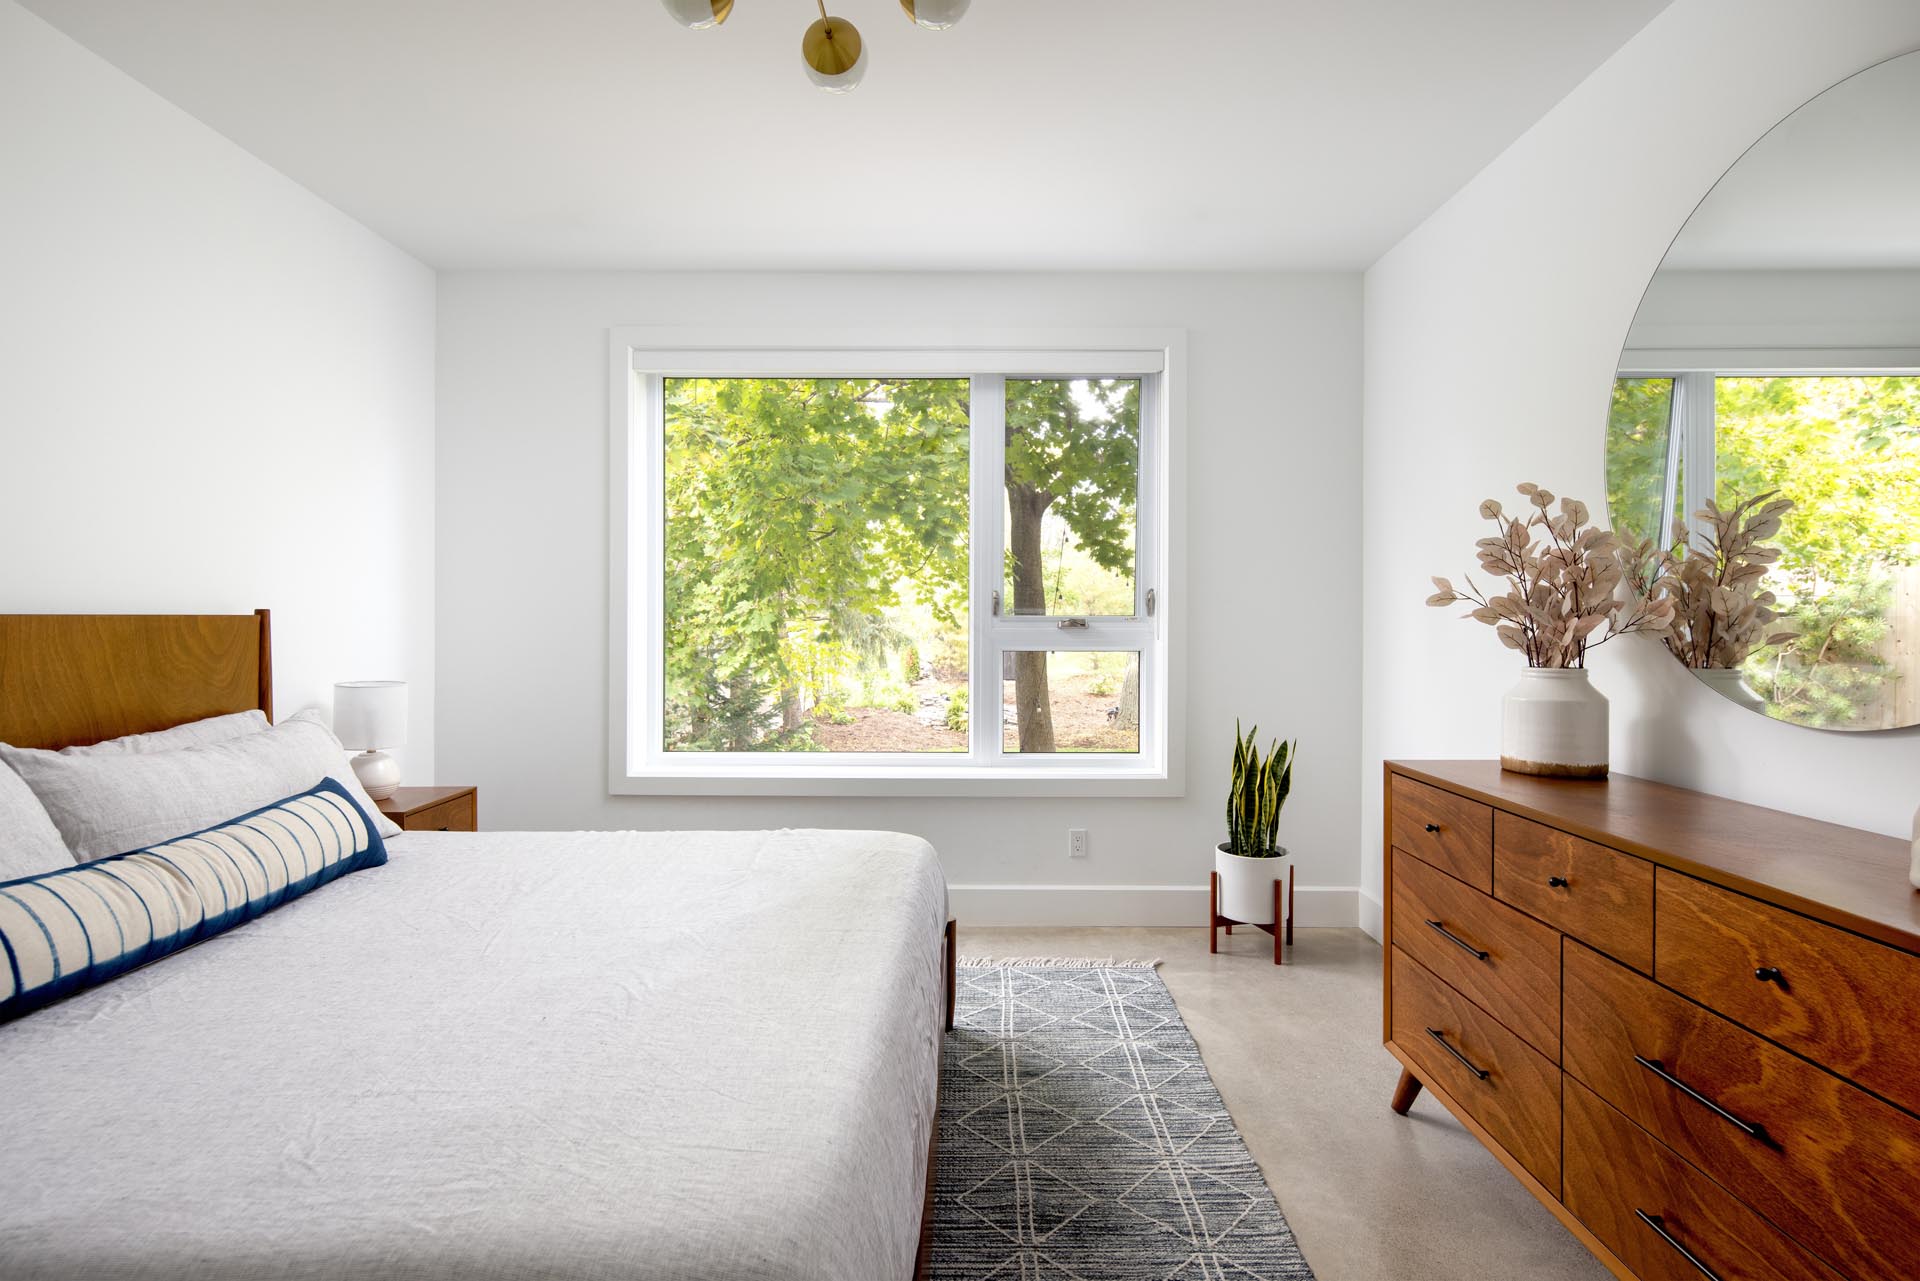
[(1128, 716), (1033, 706)]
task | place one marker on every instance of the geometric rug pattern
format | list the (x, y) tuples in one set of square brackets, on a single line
[(1081, 1139)]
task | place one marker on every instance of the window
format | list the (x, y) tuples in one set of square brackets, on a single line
[(887, 568), (1845, 447)]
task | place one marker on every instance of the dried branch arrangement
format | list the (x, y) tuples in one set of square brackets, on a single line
[(1563, 578), (1712, 580)]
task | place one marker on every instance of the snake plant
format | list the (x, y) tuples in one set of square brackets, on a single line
[(1260, 789)]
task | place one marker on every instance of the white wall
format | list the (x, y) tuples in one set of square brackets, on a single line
[(1273, 470), (1491, 334), (216, 391), (1748, 314)]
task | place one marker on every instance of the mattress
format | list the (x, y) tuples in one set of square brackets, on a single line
[(504, 1055)]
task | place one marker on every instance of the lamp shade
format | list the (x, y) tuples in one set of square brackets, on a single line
[(370, 714)]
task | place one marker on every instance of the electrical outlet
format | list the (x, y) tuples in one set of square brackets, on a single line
[(1076, 842)]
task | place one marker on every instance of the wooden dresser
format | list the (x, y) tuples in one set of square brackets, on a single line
[(1691, 1027)]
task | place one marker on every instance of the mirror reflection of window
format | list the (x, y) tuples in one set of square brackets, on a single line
[(1846, 450)]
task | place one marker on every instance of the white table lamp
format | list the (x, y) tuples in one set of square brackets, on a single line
[(369, 716)]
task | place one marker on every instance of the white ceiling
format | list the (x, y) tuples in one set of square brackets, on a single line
[(1834, 185), (1035, 134)]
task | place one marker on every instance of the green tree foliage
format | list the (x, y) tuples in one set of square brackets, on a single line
[(802, 512), (1847, 451), (1072, 448), (796, 510), (1637, 430), (1832, 669)]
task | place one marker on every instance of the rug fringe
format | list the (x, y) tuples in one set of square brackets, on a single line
[(1052, 963)]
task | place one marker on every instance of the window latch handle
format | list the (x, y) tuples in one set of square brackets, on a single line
[(1065, 623), (996, 604)]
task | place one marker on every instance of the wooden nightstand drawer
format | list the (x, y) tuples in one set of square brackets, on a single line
[(1450, 832), (1850, 1003), (1504, 961), (434, 809), (1600, 896)]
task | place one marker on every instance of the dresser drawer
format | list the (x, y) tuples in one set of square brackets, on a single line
[(1601, 896), (1508, 963), (1512, 1090), (1615, 1169), (1849, 1003), (1450, 832), (1833, 1167)]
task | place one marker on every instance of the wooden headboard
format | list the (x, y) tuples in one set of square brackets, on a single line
[(68, 679)]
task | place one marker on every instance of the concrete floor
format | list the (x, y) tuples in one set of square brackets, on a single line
[(1296, 1054)]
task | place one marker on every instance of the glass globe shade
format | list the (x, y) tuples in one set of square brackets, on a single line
[(935, 15), (699, 14), (835, 55)]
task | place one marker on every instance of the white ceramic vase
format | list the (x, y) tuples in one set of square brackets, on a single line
[(1913, 874), (1554, 722), (1246, 885), (1730, 683)]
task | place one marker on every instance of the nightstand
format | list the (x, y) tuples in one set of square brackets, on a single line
[(433, 809)]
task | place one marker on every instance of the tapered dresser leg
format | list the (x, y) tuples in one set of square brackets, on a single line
[(1406, 1092)]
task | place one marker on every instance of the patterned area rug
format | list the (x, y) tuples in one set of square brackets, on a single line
[(1081, 1139)]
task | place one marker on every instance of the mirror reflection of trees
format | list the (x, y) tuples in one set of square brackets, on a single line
[(1846, 450)]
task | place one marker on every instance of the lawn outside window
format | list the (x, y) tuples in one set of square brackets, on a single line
[(853, 564)]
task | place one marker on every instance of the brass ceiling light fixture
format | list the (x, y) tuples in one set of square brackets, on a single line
[(832, 48)]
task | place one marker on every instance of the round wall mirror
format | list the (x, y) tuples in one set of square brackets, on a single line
[(1776, 359)]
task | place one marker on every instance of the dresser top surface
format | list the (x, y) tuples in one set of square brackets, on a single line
[(1842, 875)]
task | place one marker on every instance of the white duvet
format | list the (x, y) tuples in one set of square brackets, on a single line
[(508, 1055)]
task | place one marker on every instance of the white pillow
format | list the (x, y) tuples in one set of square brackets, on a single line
[(29, 842), (211, 729), (109, 804)]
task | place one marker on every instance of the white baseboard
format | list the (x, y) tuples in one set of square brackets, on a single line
[(1372, 917), (1129, 904)]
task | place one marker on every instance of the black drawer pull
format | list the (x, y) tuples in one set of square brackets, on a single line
[(1433, 827), (1558, 882), (1768, 974), (1748, 1128), (1456, 940), (1465, 1062), (1655, 1222)]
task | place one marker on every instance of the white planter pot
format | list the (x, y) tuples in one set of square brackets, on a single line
[(1246, 885), (1554, 722), (1730, 683)]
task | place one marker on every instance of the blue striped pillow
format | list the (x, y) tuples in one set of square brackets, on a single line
[(74, 927)]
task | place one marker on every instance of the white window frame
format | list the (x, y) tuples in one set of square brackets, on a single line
[(641, 356)]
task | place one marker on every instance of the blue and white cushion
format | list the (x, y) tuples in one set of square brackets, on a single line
[(77, 926)]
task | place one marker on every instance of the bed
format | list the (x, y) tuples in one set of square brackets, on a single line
[(596, 1055)]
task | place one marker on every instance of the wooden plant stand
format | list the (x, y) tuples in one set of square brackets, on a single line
[(1279, 932)]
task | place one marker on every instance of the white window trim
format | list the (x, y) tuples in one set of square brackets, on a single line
[(637, 766)]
